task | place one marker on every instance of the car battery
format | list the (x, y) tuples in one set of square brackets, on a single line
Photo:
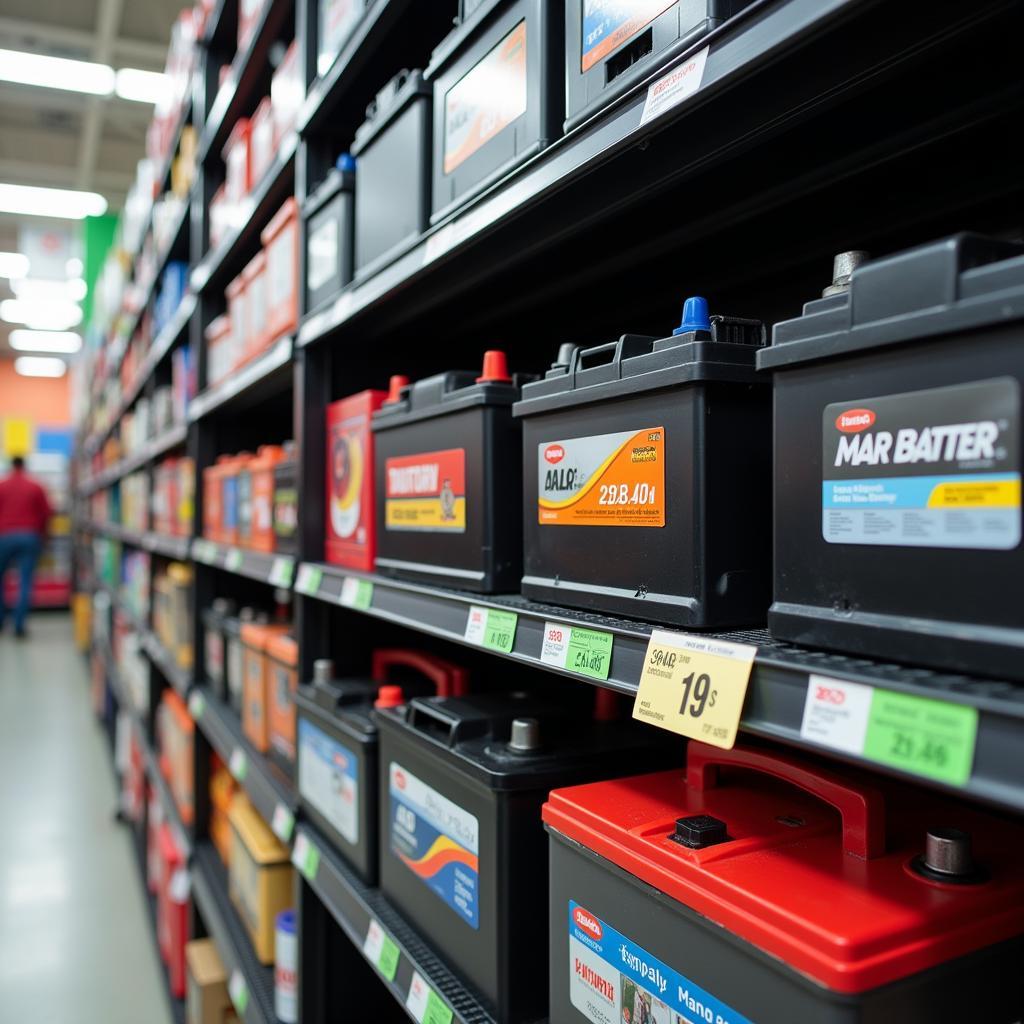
[(329, 216), (498, 95), (897, 439), (612, 44), (764, 887), (350, 523), (336, 21), (256, 681), (337, 744), (285, 513), (666, 444), (282, 680), (462, 847), (392, 149), (447, 495), (234, 660), (280, 240), (215, 644)]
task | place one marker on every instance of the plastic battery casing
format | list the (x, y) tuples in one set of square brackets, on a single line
[(392, 147), (704, 560), (329, 218), (479, 133), (603, 69), (922, 339), (459, 748), (466, 431)]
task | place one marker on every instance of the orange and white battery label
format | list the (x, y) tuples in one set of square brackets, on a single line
[(603, 480), (426, 492)]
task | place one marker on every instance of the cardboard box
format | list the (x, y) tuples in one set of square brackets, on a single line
[(207, 997)]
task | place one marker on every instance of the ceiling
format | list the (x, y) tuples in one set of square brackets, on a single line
[(68, 140)]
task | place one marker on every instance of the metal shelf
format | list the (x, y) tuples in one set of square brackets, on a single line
[(355, 905), (210, 890), (173, 437), (778, 686), (153, 648), (150, 540), (268, 373), (276, 570)]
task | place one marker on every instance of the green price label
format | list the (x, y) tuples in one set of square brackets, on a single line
[(356, 593), (281, 572), (500, 630), (387, 962), (238, 990), (311, 862), (283, 823), (308, 581), (238, 765), (233, 562), (436, 1012), (197, 705), (926, 737), (589, 652)]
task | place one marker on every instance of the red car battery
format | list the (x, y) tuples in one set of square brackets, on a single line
[(448, 490), (765, 887), (337, 744), (462, 848)]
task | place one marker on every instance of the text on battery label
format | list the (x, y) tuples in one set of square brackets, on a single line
[(949, 443)]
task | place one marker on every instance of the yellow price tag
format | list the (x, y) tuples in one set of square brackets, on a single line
[(694, 685)]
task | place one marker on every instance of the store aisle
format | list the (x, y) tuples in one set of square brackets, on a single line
[(75, 938)]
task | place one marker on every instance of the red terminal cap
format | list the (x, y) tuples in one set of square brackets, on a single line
[(389, 696), (395, 385), (495, 368)]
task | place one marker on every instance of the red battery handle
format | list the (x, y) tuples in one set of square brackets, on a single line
[(449, 680), (862, 808)]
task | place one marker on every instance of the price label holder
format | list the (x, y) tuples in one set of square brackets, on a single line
[(424, 1004), (493, 628), (306, 857), (932, 738), (238, 990), (281, 571), (196, 705), (586, 651), (694, 686), (356, 593), (233, 560), (380, 950), (283, 823), (308, 580), (238, 764)]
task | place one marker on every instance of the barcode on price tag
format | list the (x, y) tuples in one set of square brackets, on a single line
[(586, 651)]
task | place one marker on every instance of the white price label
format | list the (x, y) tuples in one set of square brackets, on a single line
[(373, 944), (238, 764), (671, 89), (476, 624), (180, 886), (281, 572), (283, 823), (300, 850), (238, 991), (836, 713), (419, 993)]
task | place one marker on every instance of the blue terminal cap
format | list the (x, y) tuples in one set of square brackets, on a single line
[(345, 162), (695, 316)]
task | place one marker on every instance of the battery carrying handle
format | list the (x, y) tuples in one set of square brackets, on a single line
[(449, 680), (861, 808), (613, 352)]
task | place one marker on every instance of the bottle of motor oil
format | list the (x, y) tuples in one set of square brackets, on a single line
[(337, 744), (462, 849), (898, 460), (448, 487), (647, 476), (764, 887)]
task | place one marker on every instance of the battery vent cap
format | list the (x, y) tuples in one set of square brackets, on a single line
[(695, 316), (389, 696), (395, 385), (699, 831), (495, 368), (345, 162)]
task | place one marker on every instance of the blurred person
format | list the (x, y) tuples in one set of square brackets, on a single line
[(24, 518)]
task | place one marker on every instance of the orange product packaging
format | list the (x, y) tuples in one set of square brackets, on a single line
[(261, 471), (255, 681), (280, 240), (283, 668), (255, 277)]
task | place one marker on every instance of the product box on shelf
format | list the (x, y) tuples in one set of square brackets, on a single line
[(761, 886), (249, 14), (222, 791), (443, 515), (237, 155), (207, 1000), (221, 216), (172, 910), (229, 496), (261, 141), (898, 437), (176, 736), (256, 685), (280, 240), (392, 149), (282, 668), (286, 502), (172, 611), (498, 95), (329, 214), (255, 277), (287, 92), (647, 476), (336, 21), (337, 743), (286, 967), (185, 510), (260, 535), (215, 644), (234, 662), (213, 498), (220, 349)]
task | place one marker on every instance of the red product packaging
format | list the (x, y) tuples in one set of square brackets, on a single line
[(280, 240), (172, 911), (237, 155)]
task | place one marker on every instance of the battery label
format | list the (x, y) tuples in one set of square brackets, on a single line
[(937, 468), (438, 841), (321, 255), (426, 492), (348, 469), (603, 480), (329, 779), (486, 99), (607, 24), (612, 980)]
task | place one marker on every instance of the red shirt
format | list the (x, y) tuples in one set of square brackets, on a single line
[(23, 505)]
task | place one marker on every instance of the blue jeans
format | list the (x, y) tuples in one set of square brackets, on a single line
[(20, 548)]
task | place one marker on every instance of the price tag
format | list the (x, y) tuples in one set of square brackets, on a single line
[(671, 89), (387, 963), (281, 571), (356, 593), (586, 651), (424, 1004), (374, 942), (932, 738), (233, 560), (238, 765), (493, 628), (694, 685), (196, 705), (238, 991), (179, 886), (306, 857), (199, 551), (308, 580), (282, 823)]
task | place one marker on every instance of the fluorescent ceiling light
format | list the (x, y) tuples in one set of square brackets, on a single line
[(37, 291), (63, 203), (23, 340), (73, 266), (13, 265), (142, 86), (43, 316), (56, 72), (40, 366)]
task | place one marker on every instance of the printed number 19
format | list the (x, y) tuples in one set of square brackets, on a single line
[(701, 690)]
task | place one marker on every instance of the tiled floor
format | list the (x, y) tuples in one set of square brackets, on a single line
[(75, 940)]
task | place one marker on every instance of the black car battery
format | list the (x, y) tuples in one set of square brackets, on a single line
[(446, 456), (611, 44), (215, 644), (337, 745), (329, 217), (284, 514), (765, 887), (498, 95), (647, 476), (392, 150), (462, 848), (898, 438)]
